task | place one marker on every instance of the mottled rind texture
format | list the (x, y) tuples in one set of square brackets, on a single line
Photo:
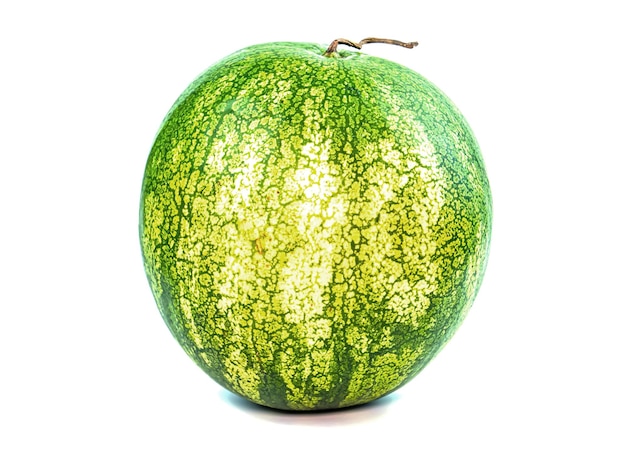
[(314, 229)]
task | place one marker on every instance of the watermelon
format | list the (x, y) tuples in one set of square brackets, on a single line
[(314, 223)]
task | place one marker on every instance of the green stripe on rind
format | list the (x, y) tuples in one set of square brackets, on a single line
[(314, 229)]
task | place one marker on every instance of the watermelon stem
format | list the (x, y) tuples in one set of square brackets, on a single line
[(333, 45)]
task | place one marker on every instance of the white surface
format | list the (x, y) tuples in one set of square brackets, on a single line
[(90, 376)]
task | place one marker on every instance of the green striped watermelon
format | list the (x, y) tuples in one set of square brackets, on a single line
[(314, 225)]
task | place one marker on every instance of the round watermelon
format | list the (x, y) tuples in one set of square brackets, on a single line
[(314, 224)]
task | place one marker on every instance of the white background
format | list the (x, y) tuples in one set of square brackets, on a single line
[(90, 377)]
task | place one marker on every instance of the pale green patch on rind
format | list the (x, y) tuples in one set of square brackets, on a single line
[(314, 228)]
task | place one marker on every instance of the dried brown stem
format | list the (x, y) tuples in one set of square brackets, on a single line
[(357, 45)]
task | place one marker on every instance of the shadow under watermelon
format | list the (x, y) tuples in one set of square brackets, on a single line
[(334, 417)]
